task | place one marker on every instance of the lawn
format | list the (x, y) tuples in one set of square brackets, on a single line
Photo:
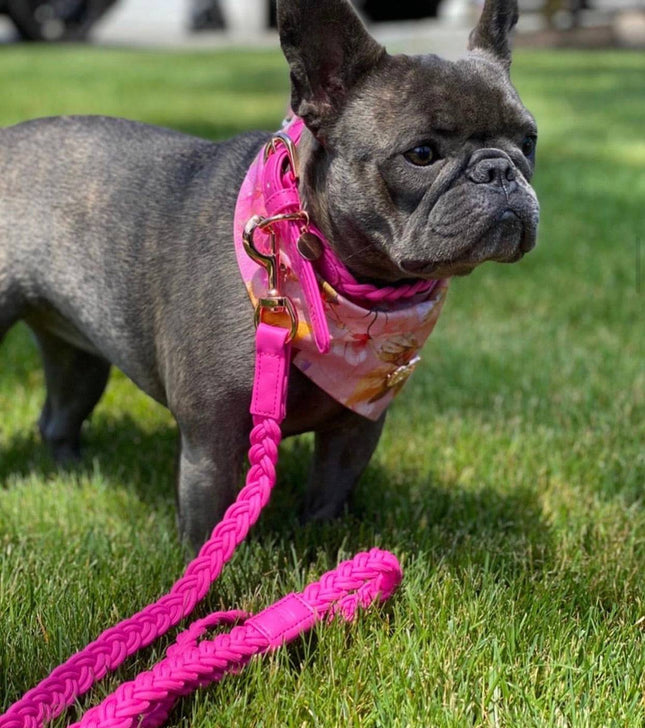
[(510, 479)]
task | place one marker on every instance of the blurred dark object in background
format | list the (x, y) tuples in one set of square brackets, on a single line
[(54, 20), (564, 12), (382, 11), (206, 15), (378, 11)]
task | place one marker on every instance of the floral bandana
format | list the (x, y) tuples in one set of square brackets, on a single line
[(373, 347)]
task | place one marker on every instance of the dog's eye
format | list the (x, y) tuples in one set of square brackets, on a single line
[(528, 145), (421, 156)]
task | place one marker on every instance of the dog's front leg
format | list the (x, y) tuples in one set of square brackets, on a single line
[(210, 465), (341, 454)]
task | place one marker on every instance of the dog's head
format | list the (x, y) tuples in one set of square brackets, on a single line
[(415, 167)]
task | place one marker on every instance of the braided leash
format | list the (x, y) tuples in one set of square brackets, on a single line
[(76, 676), (189, 665)]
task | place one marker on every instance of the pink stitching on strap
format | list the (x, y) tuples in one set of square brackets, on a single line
[(285, 620)]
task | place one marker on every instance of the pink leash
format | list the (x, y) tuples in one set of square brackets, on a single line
[(190, 663)]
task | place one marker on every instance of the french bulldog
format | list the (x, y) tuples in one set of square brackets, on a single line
[(116, 237)]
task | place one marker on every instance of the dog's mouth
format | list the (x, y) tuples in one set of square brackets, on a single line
[(507, 240)]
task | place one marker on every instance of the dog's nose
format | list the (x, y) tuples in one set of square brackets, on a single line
[(491, 167)]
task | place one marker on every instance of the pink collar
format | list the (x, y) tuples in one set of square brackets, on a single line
[(357, 342)]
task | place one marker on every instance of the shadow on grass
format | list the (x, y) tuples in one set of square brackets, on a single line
[(404, 511), (388, 509), (418, 514), (426, 517), (122, 452), (482, 534)]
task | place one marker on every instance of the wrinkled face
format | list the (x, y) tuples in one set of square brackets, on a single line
[(426, 171)]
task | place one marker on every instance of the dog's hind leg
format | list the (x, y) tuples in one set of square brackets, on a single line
[(75, 381), (214, 439)]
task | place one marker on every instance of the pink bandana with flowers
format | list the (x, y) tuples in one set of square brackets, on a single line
[(373, 350)]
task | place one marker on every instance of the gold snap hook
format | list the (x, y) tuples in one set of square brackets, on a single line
[(283, 138), (274, 308), (267, 261)]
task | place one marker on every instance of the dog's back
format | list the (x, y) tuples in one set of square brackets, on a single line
[(94, 209)]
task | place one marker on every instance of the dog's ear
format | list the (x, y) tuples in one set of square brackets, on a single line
[(492, 33), (328, 50)]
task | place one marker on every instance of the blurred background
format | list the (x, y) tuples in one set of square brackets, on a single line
[(203, 23)]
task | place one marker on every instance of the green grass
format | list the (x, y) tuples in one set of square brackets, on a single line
[(509, 480)]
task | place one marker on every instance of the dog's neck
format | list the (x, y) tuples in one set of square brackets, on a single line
[(314, 161)]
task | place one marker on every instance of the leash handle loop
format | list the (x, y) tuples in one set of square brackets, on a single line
[(191, 664)]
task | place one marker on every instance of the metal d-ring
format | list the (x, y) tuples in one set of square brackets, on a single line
[(278, 305)]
